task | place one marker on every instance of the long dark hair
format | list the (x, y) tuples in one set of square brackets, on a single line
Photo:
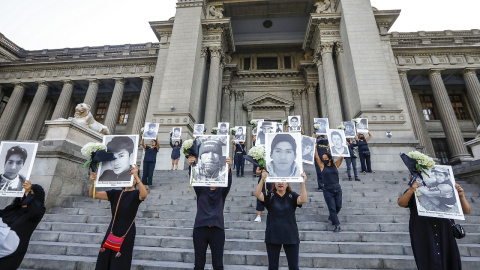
[(274, 190), (330, 158)]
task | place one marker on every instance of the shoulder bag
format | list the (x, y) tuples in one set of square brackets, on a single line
[(115, 242), (458, 231)]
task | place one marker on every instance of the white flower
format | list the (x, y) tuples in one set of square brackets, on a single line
[(257, 152), (215, 129), (91, 147), (253, 122), (316, 126), (342, 127), (355, 120), (187, 144), (142, 130), (423, 160), (233, 130)]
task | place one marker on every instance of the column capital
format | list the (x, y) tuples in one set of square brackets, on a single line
[(68, 82), (239, 95), (469, 71), (318, 60), (146, 78), (216, 51), (203, 52), (119, 80), (20, 84), (93, 81), (338, 47), (403, 71), (42, 84), (227, 89), (310, 88), (297, 93), (435, 71), (327, 47)]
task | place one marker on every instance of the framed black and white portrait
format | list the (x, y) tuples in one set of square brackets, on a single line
[(294, 123), (349, 129), (116, 173), (322, 126), (150, 130), (198, 129), (439, 198), (337, 143), (17, 159), (223, 128), (211, 168), (265, 127), (240, 133), (362, 125), (255, 129), (279, 128), (284, 157), (308, 149), (176, 133)]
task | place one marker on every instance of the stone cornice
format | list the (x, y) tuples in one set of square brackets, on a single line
[(221, 26), (325, 21), (267, 74), (385, 19), (268, 101), (435, 39), (162, 28)]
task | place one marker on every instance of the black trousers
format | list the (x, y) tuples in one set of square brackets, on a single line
[(333, 197), (291, 251), (365, 162), (148, 168), (240, 163), (204, 236)]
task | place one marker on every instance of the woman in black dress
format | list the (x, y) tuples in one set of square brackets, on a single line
[(281, 229), (149, 161), (127, 210), (364, 153), (332, 192), (433, 244), (175, 152), (18, 221)]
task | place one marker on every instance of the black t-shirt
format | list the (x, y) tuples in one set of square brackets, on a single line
[(330, 175), (210, 204), (362, 146), (281, 222), (127, 209)]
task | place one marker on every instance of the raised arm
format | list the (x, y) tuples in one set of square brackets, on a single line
[(157, 144), (463, 201), (303, 193), (369, 137), (171, 144), (403, 200), (318, 160), (339, 162), (143, 144), (143, 191), (101, 195), (258, 190)]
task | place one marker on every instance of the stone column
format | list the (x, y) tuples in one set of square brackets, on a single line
[(91, 95), (322, 97), (450, 124), (26, 132), (226, 104), (232, 106), (306, 118), (1, 93), (114, 105), (249, 142), (198, 87), (312, 104), (212, 91), (297, 100), (10, 111), (142, 105), (417, 122), (331, 86), (63, 103), (473, 91), (239, 108), (341, 76), (220, 90), (287, 112)]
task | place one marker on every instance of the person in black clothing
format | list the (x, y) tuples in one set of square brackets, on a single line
[(281, 229), (124, 225), (322, 146), (17, 223), (149, 161), (122, 149), (175, 152), (439, 193), (433, 244), (260, 207), (209, 227), (239, 150), (351, 161), (332, 192), (364, 152)]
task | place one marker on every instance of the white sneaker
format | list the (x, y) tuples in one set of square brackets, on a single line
[(258, 219)]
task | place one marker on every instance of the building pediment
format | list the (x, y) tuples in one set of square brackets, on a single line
[(268, 101)]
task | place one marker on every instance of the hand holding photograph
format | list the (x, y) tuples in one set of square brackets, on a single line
[(150, 130), (211, 168), (284, 157), (338, 143)]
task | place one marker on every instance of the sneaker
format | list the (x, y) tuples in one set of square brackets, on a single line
[(337, 228), (349, 178), (258, 219), (357, 179)]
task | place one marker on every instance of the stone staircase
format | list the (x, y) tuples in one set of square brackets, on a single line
[(374, 229)]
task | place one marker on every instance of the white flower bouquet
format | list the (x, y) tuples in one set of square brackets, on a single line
[(342, 127), (233, 131), (91, 147), (285, 122), (355, 120), (96, 153), (214, 130), (424, 162), (316, 126), (253, 123), (258, 154), (142, 130)]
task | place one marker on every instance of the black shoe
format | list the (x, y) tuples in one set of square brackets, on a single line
[(337, 228), (357, 179), (349, 178)]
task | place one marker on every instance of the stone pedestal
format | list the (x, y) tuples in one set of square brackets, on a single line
[(68, 130), (475, 146)]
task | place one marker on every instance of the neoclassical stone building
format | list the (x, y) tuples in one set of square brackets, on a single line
[(237, 60)]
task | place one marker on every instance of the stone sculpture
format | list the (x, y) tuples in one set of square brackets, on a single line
[(215, 12), (84, 117), (323, 6)]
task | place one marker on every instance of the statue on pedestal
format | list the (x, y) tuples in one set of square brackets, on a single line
[(84, 117), (323, 6), (215, 12)]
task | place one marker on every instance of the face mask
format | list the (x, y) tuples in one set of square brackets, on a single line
[(325, 161), (361, 138)]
